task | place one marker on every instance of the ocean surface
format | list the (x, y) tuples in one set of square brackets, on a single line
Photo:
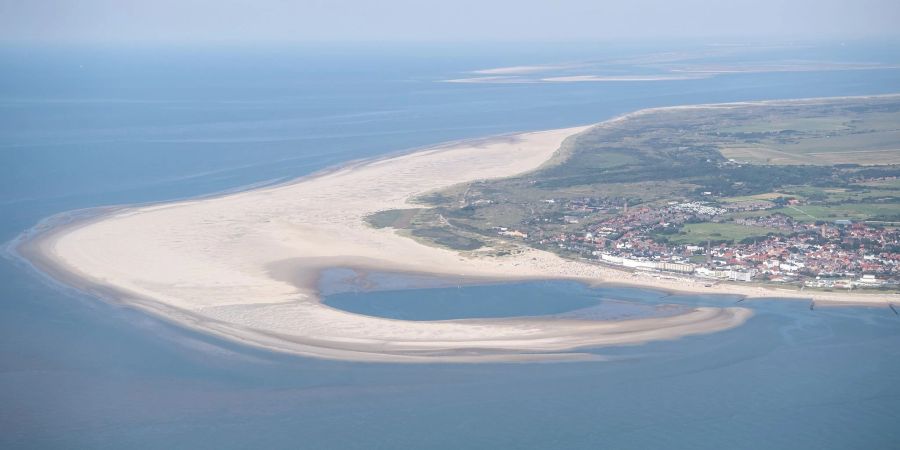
[(83, 127)]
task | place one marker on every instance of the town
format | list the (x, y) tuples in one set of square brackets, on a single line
[(743, 195), (839, 254)]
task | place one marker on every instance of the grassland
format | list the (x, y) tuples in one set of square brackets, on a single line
[(395, 218), (750, 198), (847, 211), (818, 160), (852, 193), (701, 233), (428, 226), (864, 139)]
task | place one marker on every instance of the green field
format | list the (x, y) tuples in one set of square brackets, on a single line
[(700, 233), (846, 211), (841, 195), (882, 184)]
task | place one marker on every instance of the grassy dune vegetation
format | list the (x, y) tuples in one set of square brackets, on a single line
[(816, 160)]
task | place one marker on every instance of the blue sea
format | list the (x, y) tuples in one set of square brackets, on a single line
[(87, 127)]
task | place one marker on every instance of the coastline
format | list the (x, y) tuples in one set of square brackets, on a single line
[(242, 265)]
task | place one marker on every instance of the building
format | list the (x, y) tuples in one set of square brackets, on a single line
[(675, 267)]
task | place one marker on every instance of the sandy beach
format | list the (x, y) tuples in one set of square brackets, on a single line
[(243, 266)]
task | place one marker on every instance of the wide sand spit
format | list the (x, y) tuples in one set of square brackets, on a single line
[(244, 266)]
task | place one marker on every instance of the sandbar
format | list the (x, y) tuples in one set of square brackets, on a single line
[(243, 265)]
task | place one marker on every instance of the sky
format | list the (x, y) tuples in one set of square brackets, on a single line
[(162, 21)]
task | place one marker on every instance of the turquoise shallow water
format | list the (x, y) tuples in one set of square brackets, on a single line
[(96, 127)]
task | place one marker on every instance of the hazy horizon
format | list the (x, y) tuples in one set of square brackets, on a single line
[(274, 21)]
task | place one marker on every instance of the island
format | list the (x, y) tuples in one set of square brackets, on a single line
[(649, 198), (800, 195)]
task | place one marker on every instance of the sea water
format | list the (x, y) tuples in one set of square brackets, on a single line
[(420, 298), (91, 127)]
